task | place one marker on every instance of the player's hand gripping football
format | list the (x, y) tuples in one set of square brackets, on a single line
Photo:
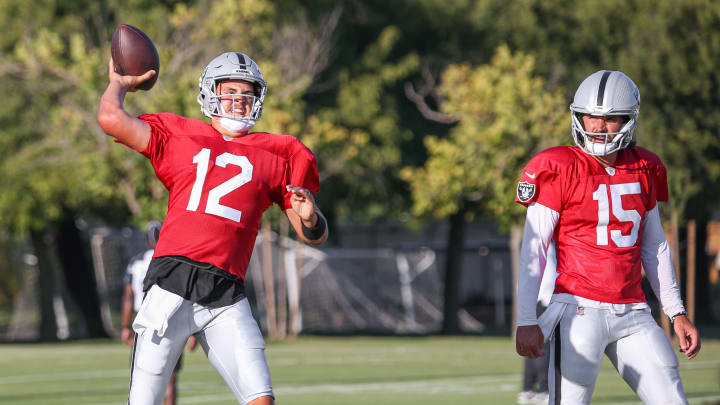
[(688, 336), (529, 341), (127, 82), (303, 203)]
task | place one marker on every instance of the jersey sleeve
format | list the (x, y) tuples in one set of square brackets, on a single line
[(660, 182), (539, 183), (540, 223), (657, 262), (158, 137), (301, 171)]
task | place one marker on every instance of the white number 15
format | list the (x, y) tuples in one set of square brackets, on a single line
[(616, 192)]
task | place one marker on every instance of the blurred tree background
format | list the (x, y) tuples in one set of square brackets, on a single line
[(417, 111)]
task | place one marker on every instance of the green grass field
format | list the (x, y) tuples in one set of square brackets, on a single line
[(321, 370)]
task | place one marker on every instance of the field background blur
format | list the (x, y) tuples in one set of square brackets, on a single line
[(421, 114), (322, 370)]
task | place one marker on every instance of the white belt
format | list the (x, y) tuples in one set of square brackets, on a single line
[(585, 302)]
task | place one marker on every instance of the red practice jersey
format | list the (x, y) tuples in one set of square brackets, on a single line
[(219, 187), (599, 233)]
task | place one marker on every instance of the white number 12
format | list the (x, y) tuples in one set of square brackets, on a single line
[(213, 206), (616, 192)]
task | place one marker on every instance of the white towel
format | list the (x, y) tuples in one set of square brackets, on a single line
[(550, 318), (157, 308)]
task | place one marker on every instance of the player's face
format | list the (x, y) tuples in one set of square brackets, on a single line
[(237, 97), (602, 124)]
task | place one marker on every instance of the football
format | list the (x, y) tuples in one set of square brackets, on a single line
[(134, 53)]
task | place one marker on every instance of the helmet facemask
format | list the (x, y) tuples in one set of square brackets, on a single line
[(620, 140), (605, 93), (231, 66), (251, 112)]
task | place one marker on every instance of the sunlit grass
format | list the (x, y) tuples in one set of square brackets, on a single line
[(321, 370)]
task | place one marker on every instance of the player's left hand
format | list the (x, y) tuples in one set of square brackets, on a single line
[(688, 336), (303, 203)]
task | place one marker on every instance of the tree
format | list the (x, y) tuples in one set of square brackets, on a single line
[(668, 48), (337, 73), (359, 137), (505, 115), (47, 69), (56, 162)]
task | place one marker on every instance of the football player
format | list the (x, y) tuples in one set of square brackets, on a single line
[(221, 177), (132, 300), (598, 203)]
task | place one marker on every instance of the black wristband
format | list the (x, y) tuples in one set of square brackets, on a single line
[(317, 231), (672, 318)]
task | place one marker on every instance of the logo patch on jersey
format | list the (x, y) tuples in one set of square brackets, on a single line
[(525, 191), (581, 311)]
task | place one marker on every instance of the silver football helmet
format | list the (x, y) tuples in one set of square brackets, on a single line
[(230, 65), (605, 92)]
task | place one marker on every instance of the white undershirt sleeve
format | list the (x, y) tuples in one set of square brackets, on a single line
[(658, 264), (540, 224)]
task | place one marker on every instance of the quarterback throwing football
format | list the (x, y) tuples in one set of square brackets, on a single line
[(598, 203), (221, 178)]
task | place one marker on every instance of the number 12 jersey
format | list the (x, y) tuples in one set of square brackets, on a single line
[(219, 187)]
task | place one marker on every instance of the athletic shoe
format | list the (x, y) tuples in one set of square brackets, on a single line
[(541, 398), (526, 397)]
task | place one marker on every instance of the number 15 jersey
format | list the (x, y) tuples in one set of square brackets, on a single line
[(599, 232), (219, 187)]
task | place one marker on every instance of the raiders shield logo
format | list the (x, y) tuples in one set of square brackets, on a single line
[(525, 191)]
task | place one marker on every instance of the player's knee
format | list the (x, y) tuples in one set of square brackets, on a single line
[(671, 394)]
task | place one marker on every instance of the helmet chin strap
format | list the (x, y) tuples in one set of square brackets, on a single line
[(237, 126)]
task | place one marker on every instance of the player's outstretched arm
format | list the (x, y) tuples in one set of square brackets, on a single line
[(305, 216), (688, 336), (113, 118)]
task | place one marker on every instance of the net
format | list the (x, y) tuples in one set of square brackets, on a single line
[(294, 288), (111, 251), (352, 290)]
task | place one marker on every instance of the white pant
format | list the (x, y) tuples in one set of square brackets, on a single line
[(632, 340), (229, 336)]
